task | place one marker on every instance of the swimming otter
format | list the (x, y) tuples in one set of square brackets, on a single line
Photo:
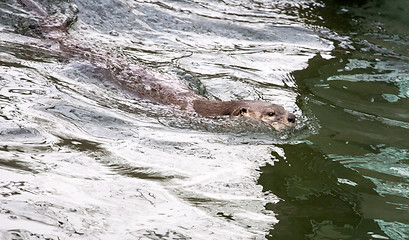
[(163, 90), (151, 85)]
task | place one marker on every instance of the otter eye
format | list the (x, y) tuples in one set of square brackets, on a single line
[(270, 114)]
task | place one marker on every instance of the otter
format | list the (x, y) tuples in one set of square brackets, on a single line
[(153, 86)]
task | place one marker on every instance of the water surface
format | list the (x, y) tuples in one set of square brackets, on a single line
[(82, 159)]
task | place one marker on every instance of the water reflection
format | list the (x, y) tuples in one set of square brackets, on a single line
[(349, 182), (326, 200), (322, 198)]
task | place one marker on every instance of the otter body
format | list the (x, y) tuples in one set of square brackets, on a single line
[(152, 86)]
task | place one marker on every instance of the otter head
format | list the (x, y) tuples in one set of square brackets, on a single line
[(273, 114)]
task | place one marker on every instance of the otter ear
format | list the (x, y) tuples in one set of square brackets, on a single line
[(242, 111)]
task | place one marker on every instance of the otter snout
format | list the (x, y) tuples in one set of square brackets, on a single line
[(291, 118)]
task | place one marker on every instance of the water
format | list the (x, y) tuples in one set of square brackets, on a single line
[(82, 159)]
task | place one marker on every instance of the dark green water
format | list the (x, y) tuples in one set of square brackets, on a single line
[(82, 159), (350, 181)]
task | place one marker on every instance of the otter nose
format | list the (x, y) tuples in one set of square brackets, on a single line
[(291, 118)]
